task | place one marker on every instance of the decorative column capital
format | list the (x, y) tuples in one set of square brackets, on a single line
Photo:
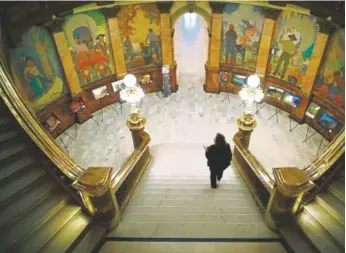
[(326, 26), (271, 13), (111, 12), (55, 25), (165, 7), (217, 8)]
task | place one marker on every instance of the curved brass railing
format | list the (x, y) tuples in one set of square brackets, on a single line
[(119, 176), (32, 127), (254, 164)]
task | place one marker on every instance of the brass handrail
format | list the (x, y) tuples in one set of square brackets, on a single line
[(329, 156), (119, 177), (254, 164), (32, 127)]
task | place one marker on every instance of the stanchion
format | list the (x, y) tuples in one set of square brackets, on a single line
[(275, 114)]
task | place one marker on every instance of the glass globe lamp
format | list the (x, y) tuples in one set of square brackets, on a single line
[(132, 92)]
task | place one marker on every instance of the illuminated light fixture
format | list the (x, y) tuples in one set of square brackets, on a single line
[(251, 92), (132, 92), (190, 20)]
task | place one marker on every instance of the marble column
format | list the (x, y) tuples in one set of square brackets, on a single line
[(265, 42), (115, 39), (65, 57), (167, 41), (326, 28), (213, 65)]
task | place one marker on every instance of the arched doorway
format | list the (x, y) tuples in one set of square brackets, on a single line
[(191, 43)]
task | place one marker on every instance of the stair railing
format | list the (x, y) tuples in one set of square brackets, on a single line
[(282, 195)]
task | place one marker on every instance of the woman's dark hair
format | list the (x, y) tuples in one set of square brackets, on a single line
[(220, 140)]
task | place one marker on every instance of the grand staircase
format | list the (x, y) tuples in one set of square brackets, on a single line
[(36, 213), (323, 220), (174, 209)]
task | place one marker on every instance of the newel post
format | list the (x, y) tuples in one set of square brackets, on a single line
[(290, 186), (136, 124), (95, 189)]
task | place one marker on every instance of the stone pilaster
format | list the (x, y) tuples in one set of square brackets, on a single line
[(167, 41), (213, 64), (116, 40), (265, 42), (65, 56)]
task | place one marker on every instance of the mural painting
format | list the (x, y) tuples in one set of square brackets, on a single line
[(330, 81), (88, 38), (292, 47), (241, 33), (140, 30), (36, 68)]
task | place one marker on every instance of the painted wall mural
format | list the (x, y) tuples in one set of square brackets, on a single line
[(140, 31), (88, 38), (330, 81), (36, 68), (292, 46), (241, 33)]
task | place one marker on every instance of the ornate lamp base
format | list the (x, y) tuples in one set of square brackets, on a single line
[(247, 122), (135, 121)]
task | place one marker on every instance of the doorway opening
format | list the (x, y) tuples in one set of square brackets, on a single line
[(191, 43)]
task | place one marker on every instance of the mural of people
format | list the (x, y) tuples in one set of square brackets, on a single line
[(36, 69), (140, 27), (330, 80), (241, 32), (87, 33), (292, 46)]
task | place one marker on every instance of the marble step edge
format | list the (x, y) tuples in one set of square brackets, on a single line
[(64, 215), (33, 205), (11, 170), (316, 234), (335, 230), (295, 239), (333, 205), (21, 191), (51, 213), (337, 188)]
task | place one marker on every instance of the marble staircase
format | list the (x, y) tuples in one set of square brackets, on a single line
[(323, 220), (174, 209), (36, 214)]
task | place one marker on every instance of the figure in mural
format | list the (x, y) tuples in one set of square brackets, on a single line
[(34, 77), (288, 50), (81, 54), (36, 69), (241, 31), (140, 27), (231, 43), (87, 36), (154, 43)]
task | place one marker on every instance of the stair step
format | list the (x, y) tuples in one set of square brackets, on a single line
[(5, 136), (183, 247), (19, 208), (316, 234), (15, 167), (294, 239), (90, 240), (4, 121), (6, 153), (21, 184), (64, 239), (337, 188), (33, 221), (327, 221), (48, 232), (333, 205)]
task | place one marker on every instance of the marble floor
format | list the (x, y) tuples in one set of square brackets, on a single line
[(191, 116)]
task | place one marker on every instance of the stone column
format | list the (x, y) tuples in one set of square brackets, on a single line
[(326, 28), (116, 40), (213, 64), (136, 124), (96, 191), (65, 56), (290, 186), (167, 41), (265, 42)]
